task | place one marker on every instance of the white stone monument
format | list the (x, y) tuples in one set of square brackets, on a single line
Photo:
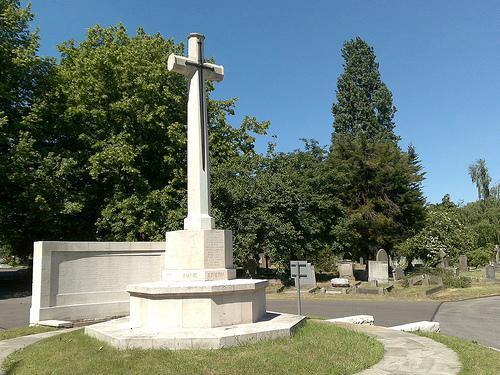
[(198, 303)]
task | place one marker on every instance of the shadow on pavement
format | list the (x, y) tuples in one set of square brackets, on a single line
[(15, 283)]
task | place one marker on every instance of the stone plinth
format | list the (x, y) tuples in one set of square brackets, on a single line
[(119, 334), (197, 255), (166, 305)]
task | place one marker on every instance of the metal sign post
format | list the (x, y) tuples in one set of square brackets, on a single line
[(296, 272)]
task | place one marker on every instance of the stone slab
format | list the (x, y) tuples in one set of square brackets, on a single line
[(55, 323), (340, 282), (196, 287), (423, 326), (119, 334), (355, 319)]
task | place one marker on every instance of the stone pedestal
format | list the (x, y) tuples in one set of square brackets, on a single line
[(199, 255), (196, 304), (198, 287)]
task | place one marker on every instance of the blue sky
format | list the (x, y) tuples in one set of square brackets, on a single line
[(441, 60)]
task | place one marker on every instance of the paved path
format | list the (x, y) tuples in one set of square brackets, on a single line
[(386, 313), (10, 346), (406, 353), (475, 319)]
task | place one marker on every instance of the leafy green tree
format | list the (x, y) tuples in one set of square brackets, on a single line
[(380, 189), (103, 150), (444, 231), (478, 173), (364, 103), (23, 79), (277, 204)]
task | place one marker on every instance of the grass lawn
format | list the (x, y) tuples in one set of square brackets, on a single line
[(24, 331), (476, 359), (316, 348)]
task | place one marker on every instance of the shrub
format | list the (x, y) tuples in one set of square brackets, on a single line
[(479, 257)]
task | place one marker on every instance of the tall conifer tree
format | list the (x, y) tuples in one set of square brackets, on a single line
[(378, 184), (364, 103)]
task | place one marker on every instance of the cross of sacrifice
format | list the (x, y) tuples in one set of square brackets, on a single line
[(198, 175)]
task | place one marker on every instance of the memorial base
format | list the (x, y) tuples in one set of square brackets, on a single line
[(119, 334), (196, 304)]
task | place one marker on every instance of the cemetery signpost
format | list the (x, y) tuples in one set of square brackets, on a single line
[(297, 270)]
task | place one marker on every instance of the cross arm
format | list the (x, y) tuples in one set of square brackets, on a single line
[(187, 66)]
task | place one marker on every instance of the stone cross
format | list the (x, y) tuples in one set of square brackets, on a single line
[(197, 71)]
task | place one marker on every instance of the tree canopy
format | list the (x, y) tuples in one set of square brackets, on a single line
[(378, 184), (364, 103)]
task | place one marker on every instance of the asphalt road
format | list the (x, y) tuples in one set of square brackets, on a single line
[(477, 319), (385, 313), (14, 312)]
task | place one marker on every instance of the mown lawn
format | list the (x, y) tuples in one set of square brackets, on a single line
[(476, 359), (316, 348), (24, 331)]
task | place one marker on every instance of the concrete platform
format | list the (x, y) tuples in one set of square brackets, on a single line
[(119, 334)]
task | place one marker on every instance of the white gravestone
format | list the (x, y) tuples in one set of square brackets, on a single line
[(198, 297), (310, 280), (382, 256), (378, 271)]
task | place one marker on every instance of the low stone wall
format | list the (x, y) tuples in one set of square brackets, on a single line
[(88, 280)]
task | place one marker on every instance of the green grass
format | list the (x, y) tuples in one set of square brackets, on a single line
[(316, 348), (476, 359), (24, 331)]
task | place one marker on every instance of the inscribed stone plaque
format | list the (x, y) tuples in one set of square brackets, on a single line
[(214, 249), (345, 269), (378, 270), (382, 256)]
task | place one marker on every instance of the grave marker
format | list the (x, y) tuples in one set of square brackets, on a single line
[(382, 256), (462, 263), (378, 270), (490, 272)]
